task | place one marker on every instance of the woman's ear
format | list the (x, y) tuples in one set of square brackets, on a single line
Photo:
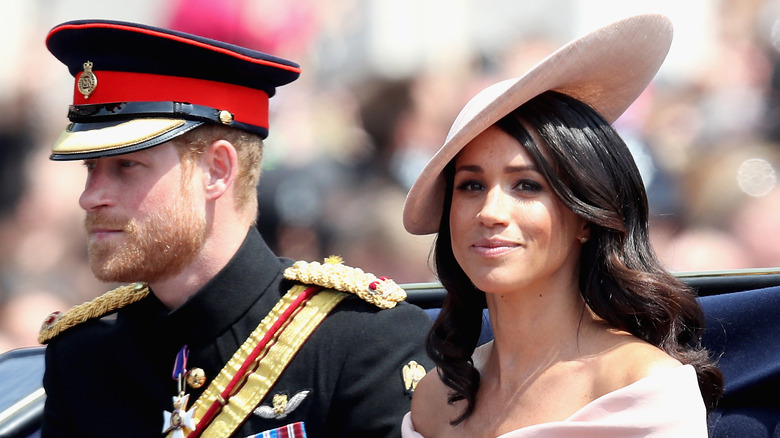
[(221, 165), (584, 234)]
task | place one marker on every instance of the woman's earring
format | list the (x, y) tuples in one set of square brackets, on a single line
[(583, 239)]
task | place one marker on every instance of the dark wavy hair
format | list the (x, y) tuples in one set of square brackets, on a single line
[(592, 172)]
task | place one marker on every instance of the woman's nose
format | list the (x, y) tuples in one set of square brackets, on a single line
[(494, 209)]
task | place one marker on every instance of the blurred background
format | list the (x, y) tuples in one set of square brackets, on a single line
[(382, 81)]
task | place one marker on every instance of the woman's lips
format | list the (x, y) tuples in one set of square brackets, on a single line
[(494, 247)]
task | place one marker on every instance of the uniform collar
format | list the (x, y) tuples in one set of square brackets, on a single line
[(223, 300)]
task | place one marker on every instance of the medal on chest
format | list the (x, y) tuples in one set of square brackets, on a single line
[(179, 422)]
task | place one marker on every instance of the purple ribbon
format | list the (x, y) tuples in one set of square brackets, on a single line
[(180, 366)]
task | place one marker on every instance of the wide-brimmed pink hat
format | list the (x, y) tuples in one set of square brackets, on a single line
[(606, 69)]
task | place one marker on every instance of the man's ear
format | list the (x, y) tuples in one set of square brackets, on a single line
[(221, 164)]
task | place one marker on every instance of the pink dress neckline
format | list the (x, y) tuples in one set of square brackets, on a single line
[(667, 403)]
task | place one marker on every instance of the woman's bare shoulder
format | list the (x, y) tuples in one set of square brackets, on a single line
[(431, 412), (631, 360)]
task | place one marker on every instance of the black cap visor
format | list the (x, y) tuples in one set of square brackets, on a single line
[(81, 141)]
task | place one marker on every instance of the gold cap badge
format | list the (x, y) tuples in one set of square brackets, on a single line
[(87, 82)]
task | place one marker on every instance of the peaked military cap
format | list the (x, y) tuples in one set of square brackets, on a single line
[(137, 86)]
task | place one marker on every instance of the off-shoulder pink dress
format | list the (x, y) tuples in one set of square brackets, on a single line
[(665, 404)]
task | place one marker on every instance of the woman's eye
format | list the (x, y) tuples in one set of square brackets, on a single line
[(469, 186), (528, 185)]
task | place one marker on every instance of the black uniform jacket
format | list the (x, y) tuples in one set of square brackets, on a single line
[(113, 376)]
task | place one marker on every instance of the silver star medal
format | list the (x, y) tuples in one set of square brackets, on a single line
[(180, 419)]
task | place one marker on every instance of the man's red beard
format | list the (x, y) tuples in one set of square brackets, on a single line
[(152, 248)]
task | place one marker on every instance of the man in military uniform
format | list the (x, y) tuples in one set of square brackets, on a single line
[(214, 335)]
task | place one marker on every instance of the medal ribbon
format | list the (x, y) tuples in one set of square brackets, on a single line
[(180, 365)]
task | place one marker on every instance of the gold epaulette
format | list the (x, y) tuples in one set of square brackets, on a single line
[(333, 274), (109, 302)]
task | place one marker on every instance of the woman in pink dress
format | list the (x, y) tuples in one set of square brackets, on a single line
[(542, 216)]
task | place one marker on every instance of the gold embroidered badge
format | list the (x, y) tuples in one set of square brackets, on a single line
[(412, 373)]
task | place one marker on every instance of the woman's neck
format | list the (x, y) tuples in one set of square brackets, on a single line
[(535, 328)]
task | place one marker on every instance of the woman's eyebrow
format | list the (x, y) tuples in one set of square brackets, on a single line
[(508, 169), (469, 168), (520, 168)]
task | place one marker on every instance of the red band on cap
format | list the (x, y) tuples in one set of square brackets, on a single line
[(248, 105)]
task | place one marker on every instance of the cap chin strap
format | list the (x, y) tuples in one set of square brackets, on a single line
[(123, 111)]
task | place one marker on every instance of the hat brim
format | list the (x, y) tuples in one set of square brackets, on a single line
[(606, 69), (81, 141)]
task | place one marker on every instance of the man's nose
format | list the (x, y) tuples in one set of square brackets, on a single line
[(97, 190)]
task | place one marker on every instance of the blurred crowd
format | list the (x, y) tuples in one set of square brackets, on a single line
[(348, 138)]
